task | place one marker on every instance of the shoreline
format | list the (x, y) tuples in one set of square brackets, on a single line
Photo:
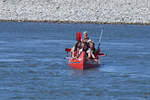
[(76, 11), (75, 22)]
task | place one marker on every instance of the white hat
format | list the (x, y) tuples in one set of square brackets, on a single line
[(85, 32)]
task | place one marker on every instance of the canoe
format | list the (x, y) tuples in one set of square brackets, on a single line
[(83, 63)]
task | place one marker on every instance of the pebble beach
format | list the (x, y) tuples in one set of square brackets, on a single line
[(76, 11)]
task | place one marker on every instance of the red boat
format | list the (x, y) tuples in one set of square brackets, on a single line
[(83, 63)]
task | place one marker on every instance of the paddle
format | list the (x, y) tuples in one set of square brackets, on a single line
[(101, 54), (67, 49), (78, 36)]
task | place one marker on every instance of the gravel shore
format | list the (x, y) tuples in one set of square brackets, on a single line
[(83, 11)]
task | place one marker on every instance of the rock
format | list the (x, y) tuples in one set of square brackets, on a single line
[(93, 11)]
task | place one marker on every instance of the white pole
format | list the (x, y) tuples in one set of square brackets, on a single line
[(100, 38)]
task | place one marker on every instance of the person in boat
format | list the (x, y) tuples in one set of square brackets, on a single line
[(85, 37), (84, 48), (75, 49), (91, 51)]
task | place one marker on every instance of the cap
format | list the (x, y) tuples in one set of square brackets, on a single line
[(85, 32)]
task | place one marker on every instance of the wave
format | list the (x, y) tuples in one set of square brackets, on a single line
[(10, 60)]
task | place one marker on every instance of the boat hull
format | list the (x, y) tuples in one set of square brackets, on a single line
[(83, 63)]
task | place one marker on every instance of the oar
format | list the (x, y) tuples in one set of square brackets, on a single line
[(101, 54), (67, 49), (78, 38)]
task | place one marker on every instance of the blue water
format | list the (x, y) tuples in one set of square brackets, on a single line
[(32, 64)]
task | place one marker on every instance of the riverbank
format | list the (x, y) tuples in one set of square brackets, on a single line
[(76, 11), (74, 22)]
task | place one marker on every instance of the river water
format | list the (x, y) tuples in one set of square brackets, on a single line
[(32, 64)]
